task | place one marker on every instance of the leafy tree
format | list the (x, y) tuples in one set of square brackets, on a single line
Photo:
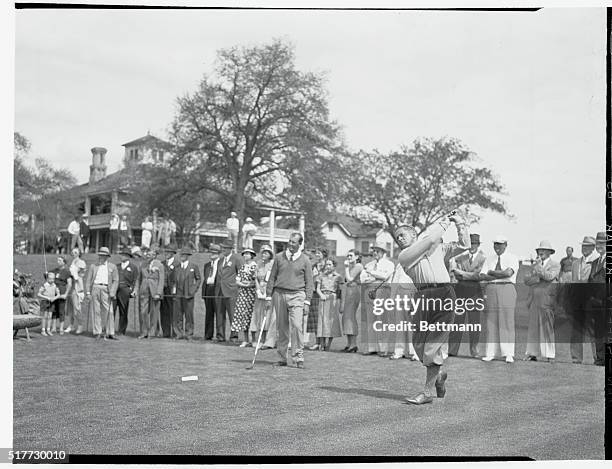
[(246, 129), (37, 194), (421, 184)]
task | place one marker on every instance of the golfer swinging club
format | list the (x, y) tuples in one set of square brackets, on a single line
[(290, 287), (423, 260)]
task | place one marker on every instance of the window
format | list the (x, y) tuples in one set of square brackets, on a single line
[(365, 247), (135, 153), (331, 247)]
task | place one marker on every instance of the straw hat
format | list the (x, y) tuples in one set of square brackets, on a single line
[(545, 245)]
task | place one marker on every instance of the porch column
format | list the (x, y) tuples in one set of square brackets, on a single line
[(87, 205), (272, 224)]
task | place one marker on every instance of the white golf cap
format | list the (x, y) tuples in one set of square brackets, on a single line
[(500, 239)]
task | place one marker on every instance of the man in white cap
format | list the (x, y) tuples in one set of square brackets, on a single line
[(248, 231), (233, 225), (376, 277), (499, 271), (542, 282), (423, 260), (579, 312)]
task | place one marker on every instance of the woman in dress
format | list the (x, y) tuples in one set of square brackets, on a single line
[(264, 266), (246, 296), (318, 265), (147, 232), (328, 289), (77, 296), (351, 300)]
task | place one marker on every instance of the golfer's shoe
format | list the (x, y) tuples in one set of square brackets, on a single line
[(441, 384), (280, 364), (43, 332), (487, 359), (68, 330), (419, 399), (509, 359)]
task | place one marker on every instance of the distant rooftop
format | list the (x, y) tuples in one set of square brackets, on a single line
[(149, 141)]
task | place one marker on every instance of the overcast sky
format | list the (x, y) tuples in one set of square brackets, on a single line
[(525, 91)]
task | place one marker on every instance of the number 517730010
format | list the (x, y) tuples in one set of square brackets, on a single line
[(37, 455)]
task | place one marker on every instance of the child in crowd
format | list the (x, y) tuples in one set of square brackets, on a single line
[(328, 289), (48, 293)]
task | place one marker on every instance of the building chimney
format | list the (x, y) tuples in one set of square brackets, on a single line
[(97, 170)]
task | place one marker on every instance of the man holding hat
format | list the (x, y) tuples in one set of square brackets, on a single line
[(128, 282), (151, 290), (578, 296), (375, 278), (467, 272), (499, 271), (101, 287), (187, 282), (422, 258), (227, 289), (208, 290), (167, 303), (542, 282)]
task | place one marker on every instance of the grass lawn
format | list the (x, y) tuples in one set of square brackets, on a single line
[(76, 394)]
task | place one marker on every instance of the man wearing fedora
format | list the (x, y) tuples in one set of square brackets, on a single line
[(422, 258), (227, 289), (542, 281), (375, 277), (597, 282), (151, 290), (187, 282), (290, 287), (128, 283), (578, 301), (499, 272), (467, 273), (209, 286), (101, 288), (167, 303)]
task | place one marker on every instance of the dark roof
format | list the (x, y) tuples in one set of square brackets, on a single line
[(354, 227), (150, 141)]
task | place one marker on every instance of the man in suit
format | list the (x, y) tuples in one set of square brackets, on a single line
[(128, 283), (578, 300), (467, 272), (597, 303), (542, 281), (209, 287), (226, 290), (101, 288), (150, 292), (167, 302), (186, 284)]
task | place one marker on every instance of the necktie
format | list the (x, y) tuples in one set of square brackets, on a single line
[(498, 265)]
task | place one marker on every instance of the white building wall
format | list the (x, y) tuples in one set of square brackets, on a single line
[(384, 237), (343, 242)]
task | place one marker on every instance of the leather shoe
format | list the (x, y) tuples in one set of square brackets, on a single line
[(280, 364), (352, 350), (112, 337), (419, 399), (142, 336), (440, 384), (300, 365)]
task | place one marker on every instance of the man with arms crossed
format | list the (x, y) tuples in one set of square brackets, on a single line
[(423, 260), (290, 286)]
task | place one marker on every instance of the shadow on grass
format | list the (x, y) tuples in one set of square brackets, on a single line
[(365, 392), (257, 362)]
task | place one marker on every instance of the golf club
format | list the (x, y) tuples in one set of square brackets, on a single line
[(263, 323)]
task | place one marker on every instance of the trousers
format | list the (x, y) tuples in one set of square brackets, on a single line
[(500, 303), (103, 320), (289, 308)]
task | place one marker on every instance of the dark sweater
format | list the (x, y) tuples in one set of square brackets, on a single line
[(291, 275)]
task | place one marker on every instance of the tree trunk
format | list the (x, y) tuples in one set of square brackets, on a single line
[(33, 233)]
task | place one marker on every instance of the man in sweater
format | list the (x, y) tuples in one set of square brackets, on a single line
[(290, 287)]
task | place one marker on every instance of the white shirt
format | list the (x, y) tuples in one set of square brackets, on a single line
[(292, 257), (382, 267), (123, 225), (213, 273), (147, 225), (170, 261), (184, 264), (125, 264), (232, 224), (506, 260), (114, 223), (249, 228), (74, 228), (102, 274)]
